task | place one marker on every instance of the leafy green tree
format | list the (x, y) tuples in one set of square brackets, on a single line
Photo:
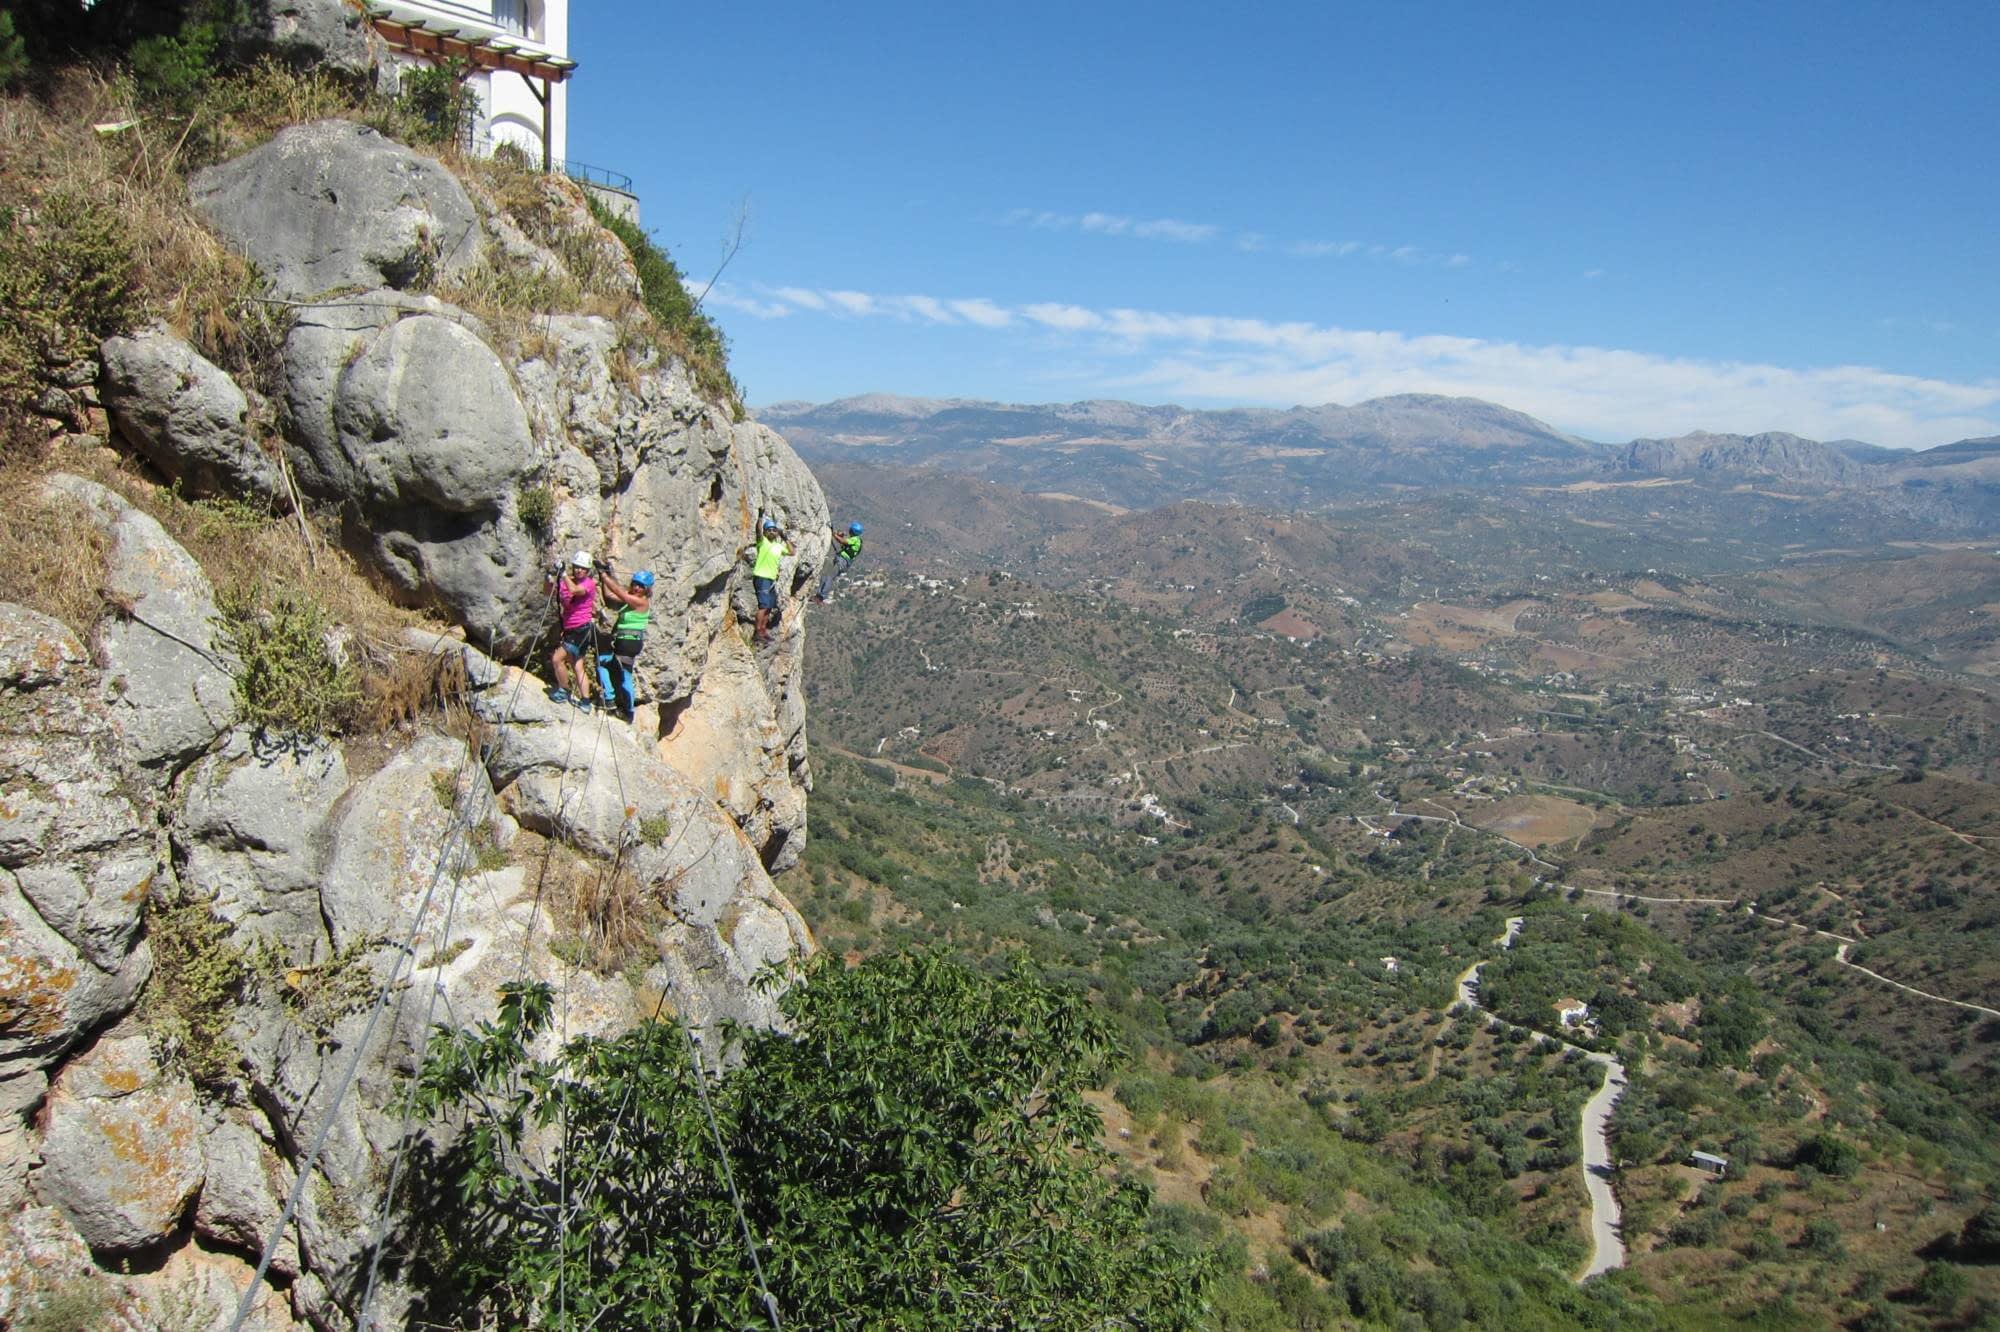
[(914, 1153), (1981, 1238), (1942, 1287), (1821, 1237), (1830, 1155), (173, 66), (13, 52), (441, 107)]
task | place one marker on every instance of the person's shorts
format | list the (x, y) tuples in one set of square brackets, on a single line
[(767, 593), (623, 651), (576, 642)]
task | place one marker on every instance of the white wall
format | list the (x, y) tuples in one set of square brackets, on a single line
[(513, 113)]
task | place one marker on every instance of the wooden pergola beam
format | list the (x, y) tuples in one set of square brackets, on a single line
[(498, 54)]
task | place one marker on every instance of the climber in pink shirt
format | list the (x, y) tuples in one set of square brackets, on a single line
[(576, 589)]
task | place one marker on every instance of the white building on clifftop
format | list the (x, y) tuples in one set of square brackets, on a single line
[(518, 57)]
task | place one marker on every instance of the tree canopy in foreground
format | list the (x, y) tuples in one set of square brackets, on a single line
[(915, 1152)]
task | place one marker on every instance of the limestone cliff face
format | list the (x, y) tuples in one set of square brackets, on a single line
[(431, 434), (358, 893)]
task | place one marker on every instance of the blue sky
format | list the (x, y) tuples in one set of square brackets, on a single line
[(1624, 220)]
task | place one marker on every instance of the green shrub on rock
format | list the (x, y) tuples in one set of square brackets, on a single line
[(288, 679), (915, 1152)]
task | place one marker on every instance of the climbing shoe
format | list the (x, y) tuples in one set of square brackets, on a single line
[(558, 695)]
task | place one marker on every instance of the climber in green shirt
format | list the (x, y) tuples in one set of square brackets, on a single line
[(633, 607), (846, 550), (764, 558)]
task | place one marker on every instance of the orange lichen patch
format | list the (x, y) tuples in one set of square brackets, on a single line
[(34, 989), (155, 1140), (122, 1080)]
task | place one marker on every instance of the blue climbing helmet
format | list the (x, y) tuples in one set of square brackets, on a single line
[(644, 578), (854, 529)]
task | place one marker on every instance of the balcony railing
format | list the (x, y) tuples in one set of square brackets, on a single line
[(596, 175), (484, 144)]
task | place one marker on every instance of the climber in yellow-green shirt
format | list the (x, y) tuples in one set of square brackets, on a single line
[(764, 558)]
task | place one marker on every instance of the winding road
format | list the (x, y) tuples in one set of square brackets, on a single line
[(1607, 1248), (1840, 956)]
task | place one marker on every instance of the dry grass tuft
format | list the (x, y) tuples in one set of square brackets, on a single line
[(404, 687), (184, 274), (603, 918), (257, 559), (510, 291), (55, 557)]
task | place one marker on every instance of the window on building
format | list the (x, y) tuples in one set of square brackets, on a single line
[(521, 17)]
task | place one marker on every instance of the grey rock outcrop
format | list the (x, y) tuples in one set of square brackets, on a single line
[(364, 890), (1774, 455), (406, 417), (40, 1256), (333, 204), (658, 478), (76, 859), (390, 838), (170, 688), (121, 1147), (325, 34), (49, 994), (247, 839), (242, 1194), (19, 1096), (584, 779), (404, 412), (186, 415), (35, 650)]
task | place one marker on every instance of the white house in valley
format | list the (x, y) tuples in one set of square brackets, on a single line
[(517, 52)]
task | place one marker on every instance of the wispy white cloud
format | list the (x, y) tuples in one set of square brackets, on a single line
[(1168, 228), (1101, 223), (723, 298), (1115, 224), (1592, 274), (1410, 256), (982, 312), (852, 302), (1323, 249), (810, 300), (1038, 217), (1067, 318), (1603, 392)]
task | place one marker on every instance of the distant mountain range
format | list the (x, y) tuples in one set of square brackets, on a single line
[(1134, 456)]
